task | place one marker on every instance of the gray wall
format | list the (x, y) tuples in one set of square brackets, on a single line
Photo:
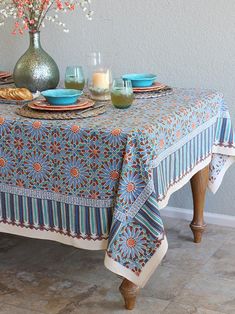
[(188, 43)]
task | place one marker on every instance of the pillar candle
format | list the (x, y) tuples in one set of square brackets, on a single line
[(101, 80)]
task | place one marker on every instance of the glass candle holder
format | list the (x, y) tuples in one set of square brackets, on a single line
[(100, 81), (74, 78), (122, 94), (100, 85)]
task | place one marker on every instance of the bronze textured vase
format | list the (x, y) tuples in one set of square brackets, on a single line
[(36, 70)]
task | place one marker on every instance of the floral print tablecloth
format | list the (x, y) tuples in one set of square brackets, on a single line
[(99, 183)]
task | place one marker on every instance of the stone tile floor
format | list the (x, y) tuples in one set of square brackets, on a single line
[(46, 277)]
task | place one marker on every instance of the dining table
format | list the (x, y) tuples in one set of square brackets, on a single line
[(100, 183)]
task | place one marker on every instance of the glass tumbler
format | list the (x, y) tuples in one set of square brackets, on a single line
[(122, 94), (74, 78)]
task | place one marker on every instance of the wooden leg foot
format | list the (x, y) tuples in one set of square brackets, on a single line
[(199, 185), (129, 292), (197, 232)]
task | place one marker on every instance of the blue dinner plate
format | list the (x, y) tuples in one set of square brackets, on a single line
[(61, 97), (141, 79)]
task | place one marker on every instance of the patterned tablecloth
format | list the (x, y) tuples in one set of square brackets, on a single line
[(99, 183)]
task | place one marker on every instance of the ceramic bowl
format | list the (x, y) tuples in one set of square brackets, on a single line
[(141, 79), (61, 97)]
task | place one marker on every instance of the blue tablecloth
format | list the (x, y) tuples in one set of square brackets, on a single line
[(99, 183)]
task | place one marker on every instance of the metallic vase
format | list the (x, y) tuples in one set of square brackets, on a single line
[(36, 70)]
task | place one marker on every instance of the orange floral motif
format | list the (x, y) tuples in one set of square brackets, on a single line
[(37, 125), (95, 152), (193, 125), (75, 128), (37, 167), (131, 242), (2, 162), (130, 187), (116, 132), (2, 120), (74, 172), (114, 175)]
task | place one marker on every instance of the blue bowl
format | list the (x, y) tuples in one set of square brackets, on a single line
[(140, 80), (61, 97)]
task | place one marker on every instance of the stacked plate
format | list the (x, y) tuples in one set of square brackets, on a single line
[(5, 78), (61, 100), (155, 87), (45, 106), (145, 83)]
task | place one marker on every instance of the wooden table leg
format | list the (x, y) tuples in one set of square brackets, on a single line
[(129, 292), (199, 185)]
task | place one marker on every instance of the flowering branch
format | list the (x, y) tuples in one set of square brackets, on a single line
[(31, 14)]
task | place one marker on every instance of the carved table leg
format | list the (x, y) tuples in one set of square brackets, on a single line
[(199, 184), (129, 292)]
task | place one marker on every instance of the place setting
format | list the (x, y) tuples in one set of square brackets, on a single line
[(50, 104), (59, 104), (145, 85), (81, 97)]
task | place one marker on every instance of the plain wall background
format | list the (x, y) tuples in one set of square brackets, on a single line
[(188, 43)]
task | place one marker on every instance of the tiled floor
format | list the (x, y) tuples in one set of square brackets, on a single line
[(46, 277)]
